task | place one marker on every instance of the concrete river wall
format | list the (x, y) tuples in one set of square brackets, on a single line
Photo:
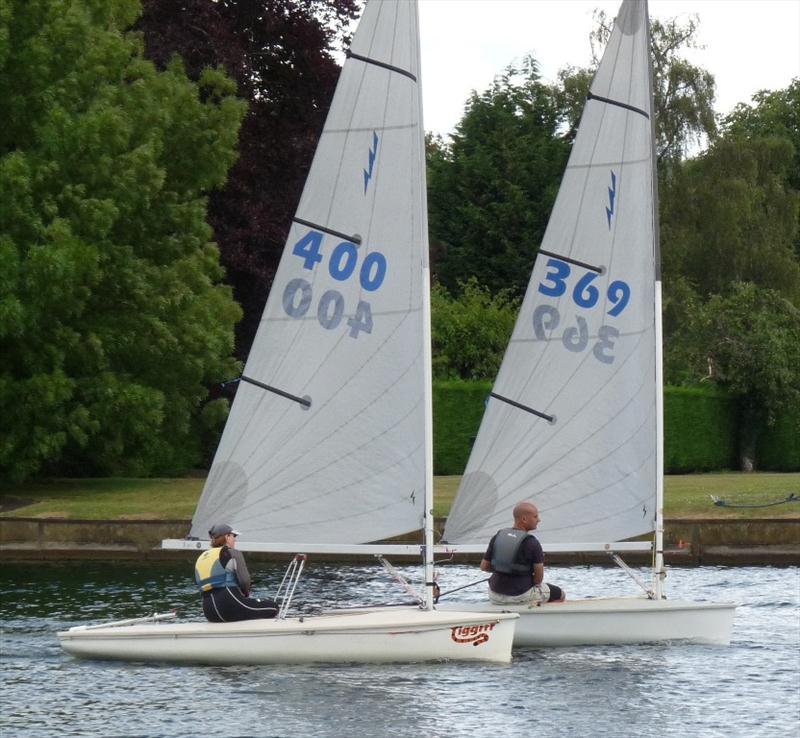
[(689, 542)]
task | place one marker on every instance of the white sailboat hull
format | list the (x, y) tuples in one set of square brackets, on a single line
[(615, 621), (367, 637)]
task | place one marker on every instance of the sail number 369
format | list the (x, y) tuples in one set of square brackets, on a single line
[(343, 263), (546, 318)]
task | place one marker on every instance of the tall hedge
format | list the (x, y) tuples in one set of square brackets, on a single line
[(779, 444), (457, 412), (699, 429)]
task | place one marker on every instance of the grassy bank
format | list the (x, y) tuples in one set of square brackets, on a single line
[(170, 499)]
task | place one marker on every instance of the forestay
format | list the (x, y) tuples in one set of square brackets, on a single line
[(325, 439), (571, 422)]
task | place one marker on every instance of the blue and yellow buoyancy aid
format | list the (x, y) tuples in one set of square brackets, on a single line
[(209, 573), (506, 547)]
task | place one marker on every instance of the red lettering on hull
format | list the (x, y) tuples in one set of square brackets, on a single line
[(474, 634)]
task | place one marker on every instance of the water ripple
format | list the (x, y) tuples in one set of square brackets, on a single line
[(748, 689)]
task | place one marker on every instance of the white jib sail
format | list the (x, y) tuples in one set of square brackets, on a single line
[(340, 457), (571, 423)]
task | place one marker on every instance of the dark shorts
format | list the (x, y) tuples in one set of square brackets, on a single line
[(229, 605)]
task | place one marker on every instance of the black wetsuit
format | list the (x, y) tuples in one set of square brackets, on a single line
[(227, 600)]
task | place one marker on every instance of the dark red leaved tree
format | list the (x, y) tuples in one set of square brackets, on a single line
[(280, 52)]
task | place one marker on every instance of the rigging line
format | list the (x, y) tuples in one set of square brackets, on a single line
[(721, 503), (350, 55), (300, 400), (400, 579), (463, 586), (548, 418), (599, 270), (619, 104), (355, 238)]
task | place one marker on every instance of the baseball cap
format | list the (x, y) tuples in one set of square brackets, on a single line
[(221, 529)]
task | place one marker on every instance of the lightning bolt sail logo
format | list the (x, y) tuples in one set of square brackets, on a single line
[(373, 152), (612, 196)]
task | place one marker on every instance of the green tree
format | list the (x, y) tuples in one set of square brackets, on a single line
[(683, 94), (749, 342), (470, 331), (773, 113), (112, 317), (491, 188), (731, 216)]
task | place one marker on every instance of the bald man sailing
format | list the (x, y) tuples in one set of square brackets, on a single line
[(516, 560)]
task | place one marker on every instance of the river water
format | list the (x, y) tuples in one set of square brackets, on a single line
[(751, 688)]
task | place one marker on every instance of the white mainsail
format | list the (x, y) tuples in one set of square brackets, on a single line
[(571, 423), (326, 438)]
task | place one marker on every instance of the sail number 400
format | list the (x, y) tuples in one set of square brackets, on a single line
[(342, 263), (330, 308), (343, 260)]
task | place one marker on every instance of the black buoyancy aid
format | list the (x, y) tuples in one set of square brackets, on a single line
[(507, 543)]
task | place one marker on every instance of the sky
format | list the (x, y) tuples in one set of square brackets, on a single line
[(749, 45)]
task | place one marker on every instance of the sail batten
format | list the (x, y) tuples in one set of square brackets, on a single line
[(378, 63), (317, 226), (305, 401), (590, 267), (619, 104)]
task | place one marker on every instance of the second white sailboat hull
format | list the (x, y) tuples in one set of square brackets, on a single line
[(368, 637), (615, 621)]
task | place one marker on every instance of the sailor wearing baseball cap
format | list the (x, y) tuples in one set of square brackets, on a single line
[(224, 581), (222, 529)]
